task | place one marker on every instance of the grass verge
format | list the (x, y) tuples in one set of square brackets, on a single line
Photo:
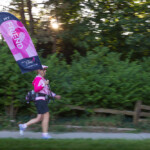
[(73, 144), (60, 124)]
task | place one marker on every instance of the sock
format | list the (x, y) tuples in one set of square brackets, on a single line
[(44, 134), (24, 126)]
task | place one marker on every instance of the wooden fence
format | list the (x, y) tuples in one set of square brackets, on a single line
[(137, 113)]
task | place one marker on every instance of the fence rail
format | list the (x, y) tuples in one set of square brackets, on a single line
[(137, 113)]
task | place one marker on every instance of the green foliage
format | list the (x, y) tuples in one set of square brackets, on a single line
[(99, 79), (14, 85), (123, 26), (96, 76)]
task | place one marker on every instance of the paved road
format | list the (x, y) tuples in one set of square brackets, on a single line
[(76, 135)]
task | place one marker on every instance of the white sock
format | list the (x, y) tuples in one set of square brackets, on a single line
[(24, 126), (44, 134)]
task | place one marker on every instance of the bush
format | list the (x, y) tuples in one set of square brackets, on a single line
[(14, 85), (99, 79)]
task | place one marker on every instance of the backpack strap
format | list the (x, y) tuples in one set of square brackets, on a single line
[(40, 94)]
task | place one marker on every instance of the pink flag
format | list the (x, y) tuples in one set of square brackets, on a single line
[(19, 42)]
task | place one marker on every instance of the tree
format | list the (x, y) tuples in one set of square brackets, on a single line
[(19, 9), (31, 20), (22, 13), (122, 26)]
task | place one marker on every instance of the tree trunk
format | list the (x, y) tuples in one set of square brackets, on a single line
[(11, 111), (31, 21), (54, 44), (22, 13)]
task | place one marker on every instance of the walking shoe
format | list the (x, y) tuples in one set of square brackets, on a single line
[(21, 129), (46, 136)]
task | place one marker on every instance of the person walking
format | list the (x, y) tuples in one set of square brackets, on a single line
[(41, 87)]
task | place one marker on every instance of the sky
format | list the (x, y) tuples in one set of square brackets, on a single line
[(5, 3)]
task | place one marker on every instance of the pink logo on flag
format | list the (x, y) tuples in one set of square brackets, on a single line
[(18, 39), (19, 42)]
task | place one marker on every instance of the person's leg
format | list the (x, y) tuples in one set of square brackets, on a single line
[(45, 122), (44, 110), (34, 120), (22, 127)]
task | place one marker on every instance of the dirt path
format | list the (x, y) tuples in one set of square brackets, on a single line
[(73, 135)]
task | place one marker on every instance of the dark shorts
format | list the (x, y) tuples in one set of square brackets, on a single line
[(41, 106)]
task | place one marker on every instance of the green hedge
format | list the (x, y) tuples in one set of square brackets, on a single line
[(99, 79), (13, 84)]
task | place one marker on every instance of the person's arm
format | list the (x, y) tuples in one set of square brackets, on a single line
[(54, 95), (57, 96), (38, 84)]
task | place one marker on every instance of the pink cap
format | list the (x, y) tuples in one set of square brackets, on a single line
[(44, 67)]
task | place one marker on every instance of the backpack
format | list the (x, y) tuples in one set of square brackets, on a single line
[(31, 95)]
